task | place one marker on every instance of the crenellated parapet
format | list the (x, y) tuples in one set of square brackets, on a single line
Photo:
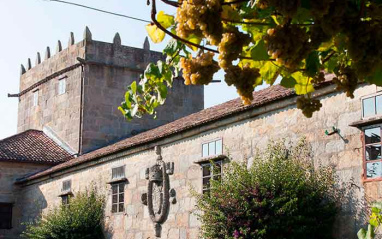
[(92, 52)]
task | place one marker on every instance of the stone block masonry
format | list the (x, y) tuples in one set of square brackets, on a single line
[(86, 116)]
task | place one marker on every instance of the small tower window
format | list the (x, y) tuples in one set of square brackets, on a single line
[(62, 86), (35, 98)]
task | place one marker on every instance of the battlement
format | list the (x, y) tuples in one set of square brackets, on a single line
[(93, 52)]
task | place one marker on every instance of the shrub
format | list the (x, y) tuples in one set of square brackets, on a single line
[(281, 195), (375, 222), (82, 218)]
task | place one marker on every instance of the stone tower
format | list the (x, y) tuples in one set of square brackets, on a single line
[(74, 94)]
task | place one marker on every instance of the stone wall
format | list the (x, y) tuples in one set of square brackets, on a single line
[(111, 69), (9, 172)]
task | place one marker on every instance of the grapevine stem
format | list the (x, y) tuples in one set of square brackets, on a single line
[(153, 14), (172, 3), (249, 23), (234, 2), (328, 57)]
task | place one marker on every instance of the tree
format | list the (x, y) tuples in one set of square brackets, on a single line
[(280, 196), (83, 218), (257, 41)]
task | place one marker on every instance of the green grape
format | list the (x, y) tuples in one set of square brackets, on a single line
[(244, 79), (199, 70), (231, 46), (346, 80), (288, 44), (308, 106), (200, 18), (318, 78)]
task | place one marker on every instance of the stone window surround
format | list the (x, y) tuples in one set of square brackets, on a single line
[(35, 96), (378, 93), (118, 186), (66, 193), (210, 141), (364, 161), (62, 85)]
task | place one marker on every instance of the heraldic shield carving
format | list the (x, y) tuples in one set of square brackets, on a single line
[(159, 195)]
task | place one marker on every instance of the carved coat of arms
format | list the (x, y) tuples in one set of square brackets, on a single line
[(159, 195)]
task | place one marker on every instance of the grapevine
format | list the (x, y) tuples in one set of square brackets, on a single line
[(256, 42)]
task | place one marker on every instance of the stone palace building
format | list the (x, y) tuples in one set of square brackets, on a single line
[(70, 135)]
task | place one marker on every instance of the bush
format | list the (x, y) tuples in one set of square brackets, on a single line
[(280, 196), (82, 218)]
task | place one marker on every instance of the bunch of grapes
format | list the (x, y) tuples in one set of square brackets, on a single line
[(308, 105), (201, 18), (244, 79), (318, 78), (364, 47), (346, 80), (334, 21), (199, 70), (231, 46), (286, 8), (287, 44)]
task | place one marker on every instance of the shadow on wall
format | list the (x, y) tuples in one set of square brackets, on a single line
[(353, 215)]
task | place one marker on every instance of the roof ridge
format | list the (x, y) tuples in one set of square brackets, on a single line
[(21, 133)]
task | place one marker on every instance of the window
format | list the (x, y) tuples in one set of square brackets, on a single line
[(118, 189), (211, 170), (118, 197), (65, 199), (35, 98), (66, 191), (212, 148), (61, 86), (5, 215), (372, 106), (372, 150), (118, 173)]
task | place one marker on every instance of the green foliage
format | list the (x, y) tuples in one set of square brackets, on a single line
[(296, 40), (374, 223), (82, 218), (280, 196)]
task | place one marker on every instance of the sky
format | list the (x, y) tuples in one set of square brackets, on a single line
[(29, 26)]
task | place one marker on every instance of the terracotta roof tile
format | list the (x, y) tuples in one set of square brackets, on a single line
[(32, 146), (228, 108)]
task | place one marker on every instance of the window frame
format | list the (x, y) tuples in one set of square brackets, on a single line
[(374, 95), (35, 99), (119, 201), (208, 142), (364, 161), (10, 205), (61, 88), (211, 175)]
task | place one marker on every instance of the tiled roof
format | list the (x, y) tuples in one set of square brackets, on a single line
[(32, 146), (228, 108)]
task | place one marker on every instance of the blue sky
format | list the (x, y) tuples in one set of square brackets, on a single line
[(29, 26)]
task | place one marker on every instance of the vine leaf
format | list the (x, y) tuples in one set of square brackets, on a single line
[(156, 35), (303, 84), (288, 82), (259, 52), (165, 20)]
